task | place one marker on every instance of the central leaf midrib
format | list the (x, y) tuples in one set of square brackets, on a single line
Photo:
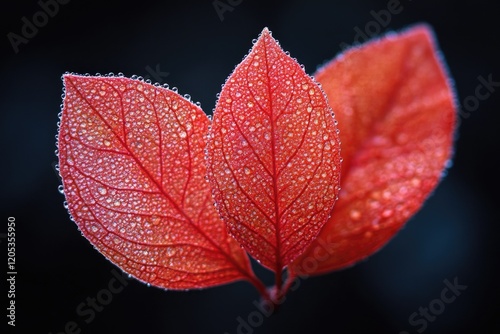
[(277, 227)]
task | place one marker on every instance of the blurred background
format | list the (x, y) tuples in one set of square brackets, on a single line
[(195, 46)]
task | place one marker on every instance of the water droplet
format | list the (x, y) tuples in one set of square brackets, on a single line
[(155, 220), (182, 134), (102, 190), (355, 214), (387, 213), (107, 142), (61, 189), (171, 251), (415, 182), (250, 104), (247, 170)]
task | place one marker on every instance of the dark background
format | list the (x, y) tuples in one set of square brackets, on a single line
[(454, 236)]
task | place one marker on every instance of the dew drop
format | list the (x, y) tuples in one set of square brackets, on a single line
[(107, 142), (355, 214), (387, 213), (155, 220), (415, 182), (102, 190), (182, 134)]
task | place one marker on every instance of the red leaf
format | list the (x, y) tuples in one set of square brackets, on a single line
[(132, 162), (396, 118), (273, 155)]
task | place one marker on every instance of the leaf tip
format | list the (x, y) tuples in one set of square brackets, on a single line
[(266, 32)]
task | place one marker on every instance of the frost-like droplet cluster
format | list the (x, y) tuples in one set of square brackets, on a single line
[(131, 157), (142, 166)]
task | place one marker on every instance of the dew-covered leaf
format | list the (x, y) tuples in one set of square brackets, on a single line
[(131, 157), (273, 155), (396, 115)]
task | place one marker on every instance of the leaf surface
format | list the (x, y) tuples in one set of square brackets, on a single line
[(131, 156), (396, 115), (273, 155)]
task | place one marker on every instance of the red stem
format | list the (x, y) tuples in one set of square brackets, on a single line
[(288, 283)]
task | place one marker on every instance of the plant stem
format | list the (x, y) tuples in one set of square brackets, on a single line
[(288, 283), (261, 288), (278, 281)]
